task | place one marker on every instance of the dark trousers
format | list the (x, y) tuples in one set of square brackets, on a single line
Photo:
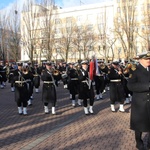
[(139, 141), (85, 102), (53, 104), (24, 104)]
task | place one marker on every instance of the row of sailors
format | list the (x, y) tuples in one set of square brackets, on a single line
[(76, 77)]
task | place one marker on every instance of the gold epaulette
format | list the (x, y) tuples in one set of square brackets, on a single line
[(133, 68)]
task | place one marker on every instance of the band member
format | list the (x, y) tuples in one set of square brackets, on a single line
[(116, 86), (11, 76), (56, 74), (49, 88), (29, 79), (139, 84), (63, 70), (73, 82), (36, 79), (43, 67), (100, 79), (126, 71), (31, 71), (21, 90), (85, 88), (3, 77)]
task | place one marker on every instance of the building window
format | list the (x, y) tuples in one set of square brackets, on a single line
[(80, 28), (118, 9), (89, 27), (44, 33), (58, 41), (148, 27), (142, 7), (148, 6), (79, 18), (69, 20), (143, 27), (57, 31), (119, 50), (68, 30), (90, 17), (101, 17), (57, 21), (58, 50), (130, 8)]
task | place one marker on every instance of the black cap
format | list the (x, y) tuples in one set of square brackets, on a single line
[(116, 62), (144, 55), (84, 62), (100, 61), (29, 63), (19, 63), (35, 64), (48, 63)]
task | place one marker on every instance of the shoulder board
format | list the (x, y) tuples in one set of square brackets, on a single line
[(133, 68), (130, 75)]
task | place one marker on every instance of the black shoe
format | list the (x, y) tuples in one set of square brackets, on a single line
[(140, 146), (148, 146)]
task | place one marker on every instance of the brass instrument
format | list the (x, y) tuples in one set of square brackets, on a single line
[(25, 70), (20, 80), (102, 66), (77, 66), (55, 72), (127, 68)]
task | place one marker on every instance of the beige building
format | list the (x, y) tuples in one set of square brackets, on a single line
[(107, 30)]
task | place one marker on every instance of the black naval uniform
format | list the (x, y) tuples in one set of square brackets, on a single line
[(49, 89), (116, 87), (11, 78), (22, 92), (3, 76), (85, 91), (73, 83), (139, 84), (36, 79), (100, 81)]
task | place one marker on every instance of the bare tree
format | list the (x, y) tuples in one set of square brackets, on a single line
[(105, 38), (29, 28), (84, 40), (144, 29), (3, 37), (14, 34), (67, 34), (125, 23), (46, 29)]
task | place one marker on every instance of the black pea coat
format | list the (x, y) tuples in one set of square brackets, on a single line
[(21, 90), (139, 84), (99, 81), (73, 84), (11, 75), (29, 78), (49, 89), (116, 88), (3, 73), (36, 79)]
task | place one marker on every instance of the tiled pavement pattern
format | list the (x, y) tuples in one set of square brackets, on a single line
[(69, 129)]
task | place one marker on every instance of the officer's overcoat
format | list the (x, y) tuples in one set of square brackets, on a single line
[(138, 83)]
